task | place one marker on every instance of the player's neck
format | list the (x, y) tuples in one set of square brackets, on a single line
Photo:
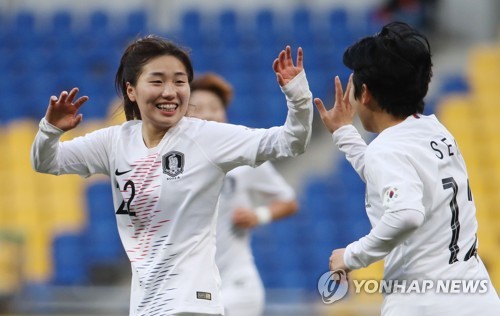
[(383, 120), (152, 136)]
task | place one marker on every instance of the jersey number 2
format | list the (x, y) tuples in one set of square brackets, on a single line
[(450, 183), (124, 208)]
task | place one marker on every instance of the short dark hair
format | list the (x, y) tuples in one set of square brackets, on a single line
[(136, 55), (395, 64), (215, 84)]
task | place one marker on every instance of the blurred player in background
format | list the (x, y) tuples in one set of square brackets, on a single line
[(417, 190), (250, 197), (167, 170)]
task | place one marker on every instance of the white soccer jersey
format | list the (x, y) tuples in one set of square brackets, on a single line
[(165, 197), (417, 165), (244, 187)]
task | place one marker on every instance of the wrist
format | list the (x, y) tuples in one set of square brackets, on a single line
[(49, 128), (264, 215)]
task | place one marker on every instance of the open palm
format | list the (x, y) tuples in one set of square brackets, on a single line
[(342, 112), (62, 111), (284, 68)]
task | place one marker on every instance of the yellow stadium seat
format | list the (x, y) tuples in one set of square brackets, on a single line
[(5, 156), (455, 107), (483, 68), (38, 265), (19, 138), (373, 272), (11, 257), (116, 114)]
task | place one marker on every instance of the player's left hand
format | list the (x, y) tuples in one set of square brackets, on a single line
[(342, 112), (245, 218), (337, 260), (284, 68)]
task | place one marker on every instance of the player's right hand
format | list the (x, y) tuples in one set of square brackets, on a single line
[(62, 111), (284, 68)]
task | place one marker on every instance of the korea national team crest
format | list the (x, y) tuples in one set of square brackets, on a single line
[(173, 163)]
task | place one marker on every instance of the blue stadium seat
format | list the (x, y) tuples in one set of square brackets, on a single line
[(24, 22), (101, 240), (265, 27), (135, 25), (70, 267), (339, 28), (302, 30), (62, 21), (190, 32), (454, 83), (137, 22), (228, 29), (60, 33), (13, 107), (96, 33)]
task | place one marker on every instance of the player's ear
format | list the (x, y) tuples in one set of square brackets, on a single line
[(366, 95), (131, 92)]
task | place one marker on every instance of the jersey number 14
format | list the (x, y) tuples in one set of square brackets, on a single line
[(450, 183)]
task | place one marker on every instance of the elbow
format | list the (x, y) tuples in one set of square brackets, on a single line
[(37, 166), (298, 148), (299, 151)]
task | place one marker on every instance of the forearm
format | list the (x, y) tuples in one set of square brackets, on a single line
[(82, 155), (45, 149), (292, 138), (350, 142), (282, 209), (392, 229)]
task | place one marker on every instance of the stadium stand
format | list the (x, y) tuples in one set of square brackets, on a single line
[(472, 116), (52, 223)]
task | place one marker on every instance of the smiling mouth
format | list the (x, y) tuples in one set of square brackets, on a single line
[(167, 107)]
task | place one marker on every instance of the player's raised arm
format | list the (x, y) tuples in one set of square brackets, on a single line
[(292, 138), (338, 121)]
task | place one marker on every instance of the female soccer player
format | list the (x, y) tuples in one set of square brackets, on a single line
[(167, 170), (417, 191), (250, 197)]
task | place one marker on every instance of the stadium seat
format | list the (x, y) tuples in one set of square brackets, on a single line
[(228, 29), (454, 84), (137, 20), (69, 268), (190, 32)]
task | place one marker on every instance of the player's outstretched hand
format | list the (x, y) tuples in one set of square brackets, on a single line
[(284, 68), (62, 111), (342, 112)]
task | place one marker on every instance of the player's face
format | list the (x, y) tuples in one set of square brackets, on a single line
[(207, 105), (162, 92)]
